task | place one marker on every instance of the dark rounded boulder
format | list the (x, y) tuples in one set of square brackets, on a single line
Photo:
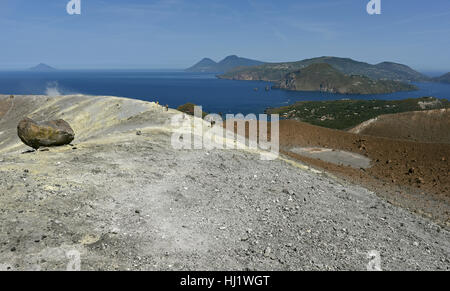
[(45, 134)]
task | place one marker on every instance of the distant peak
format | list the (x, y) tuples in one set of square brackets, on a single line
[(228, 63), (232, 58), (42, 67), (390, 63)]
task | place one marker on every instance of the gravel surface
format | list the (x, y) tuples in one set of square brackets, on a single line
[(333, 156), (130, 202)]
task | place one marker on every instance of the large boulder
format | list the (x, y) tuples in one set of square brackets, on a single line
[(45, 134)]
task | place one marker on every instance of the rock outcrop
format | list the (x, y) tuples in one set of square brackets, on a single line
[(45, 134)]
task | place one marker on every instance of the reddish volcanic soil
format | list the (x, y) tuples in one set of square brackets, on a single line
[(414, 175), (420, 126)]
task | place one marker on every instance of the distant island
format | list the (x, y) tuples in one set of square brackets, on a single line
[(443, 79), (277, 71), (347, 76), (229, 63), (42, 68), (324, 78)]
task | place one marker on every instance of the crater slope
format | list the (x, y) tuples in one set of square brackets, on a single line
[(132, 202)]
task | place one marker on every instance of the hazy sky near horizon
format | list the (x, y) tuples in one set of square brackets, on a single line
[(156, 34)]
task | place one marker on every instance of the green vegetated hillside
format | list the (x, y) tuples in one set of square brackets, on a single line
[(277, 71), (325, 78), (345, 114)]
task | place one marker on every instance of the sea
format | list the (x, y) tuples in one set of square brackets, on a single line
[(178, 87)]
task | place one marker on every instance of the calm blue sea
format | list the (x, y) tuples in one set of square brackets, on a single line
[(176, 88)]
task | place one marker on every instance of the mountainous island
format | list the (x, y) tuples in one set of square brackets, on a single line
[(277, 71), (42, 68), (324, 78), (443, 79), (229, 63), (347, 76)]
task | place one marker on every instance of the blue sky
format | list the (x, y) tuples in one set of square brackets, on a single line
[(177, 33)]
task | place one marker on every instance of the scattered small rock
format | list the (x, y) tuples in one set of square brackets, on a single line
[(267, 251)]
